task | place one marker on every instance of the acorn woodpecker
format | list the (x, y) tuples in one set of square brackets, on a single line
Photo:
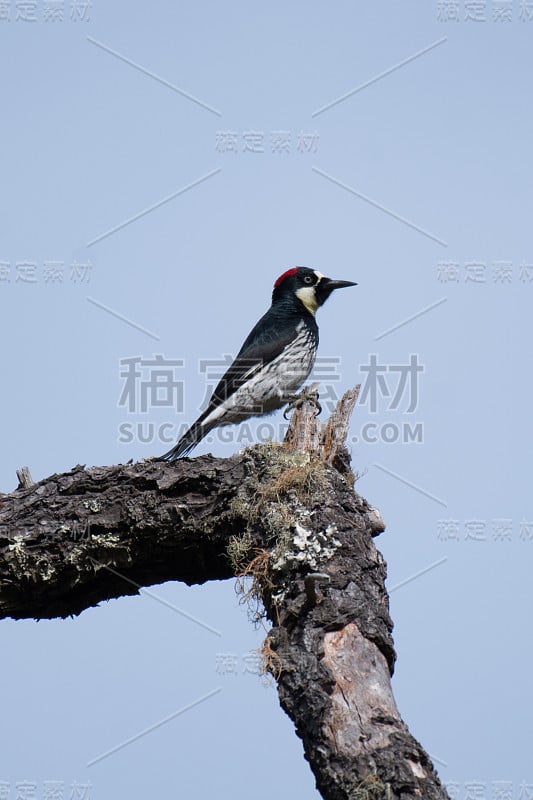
[(273, 362)]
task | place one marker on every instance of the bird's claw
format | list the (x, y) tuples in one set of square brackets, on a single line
[(299, 399)]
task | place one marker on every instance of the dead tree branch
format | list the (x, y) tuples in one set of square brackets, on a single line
[(285, 515)]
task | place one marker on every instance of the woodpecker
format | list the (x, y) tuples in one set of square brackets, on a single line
[(273, 362)]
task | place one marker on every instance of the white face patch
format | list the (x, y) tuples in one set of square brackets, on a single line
[(308, 297), (307, 294)]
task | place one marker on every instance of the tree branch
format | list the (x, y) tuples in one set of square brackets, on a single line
[(285, 515)]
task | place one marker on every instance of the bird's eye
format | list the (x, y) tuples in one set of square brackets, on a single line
[(308, 279)]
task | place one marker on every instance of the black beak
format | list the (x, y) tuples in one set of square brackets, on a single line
[(331, 284), (327, 285)]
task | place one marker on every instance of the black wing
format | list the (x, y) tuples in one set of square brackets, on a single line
[(264, 343)]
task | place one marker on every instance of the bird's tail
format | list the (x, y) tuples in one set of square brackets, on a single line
[(188, 441)]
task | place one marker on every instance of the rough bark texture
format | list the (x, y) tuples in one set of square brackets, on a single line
[(285, 515)]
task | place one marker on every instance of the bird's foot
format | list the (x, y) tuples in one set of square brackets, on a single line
[(297, 400)]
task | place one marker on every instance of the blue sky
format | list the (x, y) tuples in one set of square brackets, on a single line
[(161, 165)]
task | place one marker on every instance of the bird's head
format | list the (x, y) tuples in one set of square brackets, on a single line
[(308, 285)]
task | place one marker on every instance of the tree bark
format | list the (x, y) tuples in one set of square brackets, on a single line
[(287, 517)]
